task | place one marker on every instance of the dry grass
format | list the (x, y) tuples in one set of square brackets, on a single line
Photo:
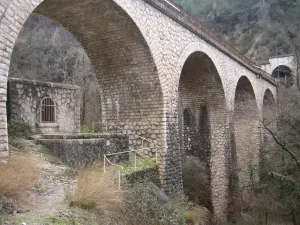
[(198, 215), (98, 191), (17, 175)]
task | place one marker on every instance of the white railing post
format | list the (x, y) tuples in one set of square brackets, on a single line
[(93, 127), (119, 179), (104, 164), (135, 160)]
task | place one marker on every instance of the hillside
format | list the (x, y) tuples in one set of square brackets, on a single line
[(257, 28)]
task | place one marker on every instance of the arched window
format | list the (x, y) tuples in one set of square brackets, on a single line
[(48, 111)]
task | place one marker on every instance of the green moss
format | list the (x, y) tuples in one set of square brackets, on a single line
[(18, 128), (141, 164)]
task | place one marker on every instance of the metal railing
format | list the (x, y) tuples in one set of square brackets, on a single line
[(143, 139), (135, 151), (106, 160)]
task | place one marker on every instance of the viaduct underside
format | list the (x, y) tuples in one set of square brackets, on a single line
[(166, 78)]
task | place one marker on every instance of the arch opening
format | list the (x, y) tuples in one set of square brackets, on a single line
[(202, 118), (247, 136), (131, 95), (46, 52), (284, 75), (269, 125)]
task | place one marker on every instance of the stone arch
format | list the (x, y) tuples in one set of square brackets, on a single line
[(127, 74), (284, 75), (269, 123), (203, 122), (247, 133), (269, 107)]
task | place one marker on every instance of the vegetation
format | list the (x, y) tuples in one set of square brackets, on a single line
[(17, 175), (18, 129), (98, 190), (258, 28), (136, 164)]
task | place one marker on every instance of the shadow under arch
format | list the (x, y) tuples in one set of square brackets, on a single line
[(131, 93), (247, 136), (202, 123), (270, 119)]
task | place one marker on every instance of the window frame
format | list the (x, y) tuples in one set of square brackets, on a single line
[(41, 111)]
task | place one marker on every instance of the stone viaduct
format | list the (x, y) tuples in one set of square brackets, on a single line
[(163, 76)]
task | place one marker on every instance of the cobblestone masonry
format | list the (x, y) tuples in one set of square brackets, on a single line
[(139, 49), (24, 103), (80, 151)]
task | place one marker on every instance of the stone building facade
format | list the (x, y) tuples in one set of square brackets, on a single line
[(162, 76), (46, 107)]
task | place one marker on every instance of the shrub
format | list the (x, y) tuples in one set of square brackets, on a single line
[(98, 191), (142, 207), (17, 175), (197, 215), (18, 129), (196, 182)]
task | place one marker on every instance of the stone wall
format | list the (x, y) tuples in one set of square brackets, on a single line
[(24, 103), (80, 151)]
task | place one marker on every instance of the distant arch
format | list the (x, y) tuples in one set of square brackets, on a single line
[(247, 133)]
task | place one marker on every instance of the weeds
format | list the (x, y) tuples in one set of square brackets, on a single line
[(18, 129), (17, 175), (142, 207), (98, 191)]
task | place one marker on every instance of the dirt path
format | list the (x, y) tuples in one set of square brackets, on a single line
[(47, 201)]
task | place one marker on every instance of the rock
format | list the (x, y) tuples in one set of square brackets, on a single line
[(159, 194)]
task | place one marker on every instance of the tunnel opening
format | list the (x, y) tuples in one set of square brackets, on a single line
[(284, 75), (203, 138)]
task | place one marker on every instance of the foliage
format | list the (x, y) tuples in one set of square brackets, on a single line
[(196, 182), (256, 27), (18, 129), (144, 208), (98, 191), (141, 163), (277, 196)]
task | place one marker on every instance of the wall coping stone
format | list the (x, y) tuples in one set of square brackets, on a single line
[(81, 136), (43, 84)]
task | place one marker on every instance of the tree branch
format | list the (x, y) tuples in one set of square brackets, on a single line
[(282, 146)]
